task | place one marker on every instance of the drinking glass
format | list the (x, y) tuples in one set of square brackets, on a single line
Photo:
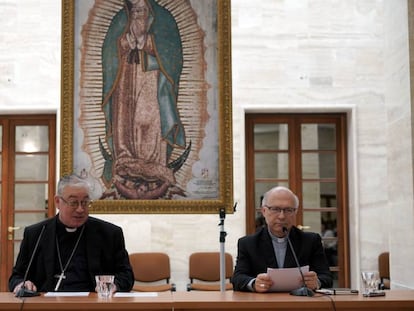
[(104, 285), (370, 282)]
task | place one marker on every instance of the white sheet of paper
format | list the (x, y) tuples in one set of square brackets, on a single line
[(67, 294), (136, 294), (286, 279)]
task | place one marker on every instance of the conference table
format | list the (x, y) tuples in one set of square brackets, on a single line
[(394, 300), (401, 300), (151, 301)]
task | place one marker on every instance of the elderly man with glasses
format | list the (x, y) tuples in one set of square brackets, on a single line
[(64, 253), (269, 247)]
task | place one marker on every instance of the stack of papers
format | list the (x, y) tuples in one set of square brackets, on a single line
[(85, 294), (67, 294)]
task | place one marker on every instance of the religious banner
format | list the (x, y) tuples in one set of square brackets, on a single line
[(146, 103)]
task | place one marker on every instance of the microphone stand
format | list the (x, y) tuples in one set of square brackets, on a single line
[(23, 291), (304, 290), (223, 234)]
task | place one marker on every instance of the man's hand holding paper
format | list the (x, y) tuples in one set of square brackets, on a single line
[(286, 279), (262, 283)]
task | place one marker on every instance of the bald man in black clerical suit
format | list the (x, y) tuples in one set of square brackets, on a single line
[(269, 248), (73, 247)]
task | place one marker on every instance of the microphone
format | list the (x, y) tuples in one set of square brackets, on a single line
[(23, 291), (301, 291)]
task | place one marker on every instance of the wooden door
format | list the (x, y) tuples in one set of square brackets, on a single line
[(28, 161), (307, 153)]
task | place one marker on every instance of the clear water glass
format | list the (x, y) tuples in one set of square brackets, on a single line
[(104, 285), (370, 282)]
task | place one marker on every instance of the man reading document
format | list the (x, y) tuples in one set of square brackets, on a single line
[(269, 248)]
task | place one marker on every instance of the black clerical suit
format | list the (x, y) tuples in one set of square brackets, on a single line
[(256, 254), (101, 251)]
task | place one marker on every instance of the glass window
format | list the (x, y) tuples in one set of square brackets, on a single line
[(30, 196), (271, 165), (318, 136), (318, 165), (23, 220), (270, 136), (32, 167), (32, 138), (319, 194)]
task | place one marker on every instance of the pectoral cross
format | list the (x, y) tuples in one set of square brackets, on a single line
[(60, 278)]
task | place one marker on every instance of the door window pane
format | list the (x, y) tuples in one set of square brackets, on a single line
[(271, 136), (22, 220), (30, 196), (318, 136), (31, 167), (271, 165), (32, 138), (319, 221), (318, 165), (319, 194)]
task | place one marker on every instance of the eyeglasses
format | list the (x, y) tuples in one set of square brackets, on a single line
[(277, 210), (75, 203)]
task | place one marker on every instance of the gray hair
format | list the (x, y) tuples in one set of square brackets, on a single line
[(280, 189), (72, 180)]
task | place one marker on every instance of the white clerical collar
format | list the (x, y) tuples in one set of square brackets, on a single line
[(71, 229), (276, 238)]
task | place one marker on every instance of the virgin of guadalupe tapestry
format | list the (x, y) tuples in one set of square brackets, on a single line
[(145, 84)]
